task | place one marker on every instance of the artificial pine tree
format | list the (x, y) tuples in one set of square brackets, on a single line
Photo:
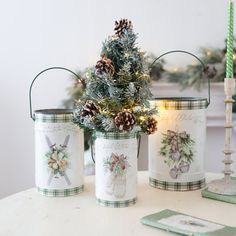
[(117, 88)]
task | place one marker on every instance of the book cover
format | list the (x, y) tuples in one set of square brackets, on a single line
[(219, 197), (186, 225)]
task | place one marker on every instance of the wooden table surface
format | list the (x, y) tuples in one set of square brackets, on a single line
[(29, 214)]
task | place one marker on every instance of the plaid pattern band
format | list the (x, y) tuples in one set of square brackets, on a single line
[(179, 104), (53, 118), (60, 192), (116, 204), (177, 186), (115, 135)]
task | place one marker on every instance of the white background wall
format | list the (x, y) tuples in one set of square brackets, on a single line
[(39, 34)]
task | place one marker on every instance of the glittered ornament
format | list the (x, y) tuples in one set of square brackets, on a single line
[(89, 109), (125, 121), (184, 166), (104, 66), (121, 26), (174, 172), (175, 155)]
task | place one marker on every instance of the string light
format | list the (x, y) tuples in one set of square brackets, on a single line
[(141, 118), (126, 55), (208, 53)]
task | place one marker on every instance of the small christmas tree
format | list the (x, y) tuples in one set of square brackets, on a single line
[(117, 89)]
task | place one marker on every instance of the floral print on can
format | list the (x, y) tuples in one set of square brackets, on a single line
[(178, 152), (116, 166)]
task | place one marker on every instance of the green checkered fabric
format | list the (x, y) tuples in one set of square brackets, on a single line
[(60, 192), (115, 135), (179, 104), (53, 118), (177, 186), (116, 204)]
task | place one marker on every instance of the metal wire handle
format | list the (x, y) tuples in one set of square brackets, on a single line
[(191, 54), (31, 86), (92, 146)]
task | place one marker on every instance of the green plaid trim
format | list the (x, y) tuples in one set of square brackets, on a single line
[(53, 118), (177, 186), (115, 135), (60, 192), (179, 104), (116, 204)]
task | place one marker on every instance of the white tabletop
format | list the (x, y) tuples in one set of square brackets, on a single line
[(29, 214)]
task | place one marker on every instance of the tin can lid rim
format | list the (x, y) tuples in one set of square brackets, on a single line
[(58, 111), (180, 99)]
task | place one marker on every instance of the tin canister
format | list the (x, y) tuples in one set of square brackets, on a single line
[(116, 169), (59, 150), (58, 153), (177, 150)]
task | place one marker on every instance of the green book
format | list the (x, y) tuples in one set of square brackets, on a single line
[(183, 224), (219, 197)]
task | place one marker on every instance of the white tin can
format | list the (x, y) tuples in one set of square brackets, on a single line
[(116, 169), (177, 149), (59, 150)]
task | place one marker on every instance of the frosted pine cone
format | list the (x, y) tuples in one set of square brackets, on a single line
[(89, 109), (104, 66), (121, 26), (210, 71), (125, 121), (151, 125)]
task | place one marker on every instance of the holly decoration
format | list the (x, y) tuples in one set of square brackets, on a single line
[(178, 151), (117, 88)]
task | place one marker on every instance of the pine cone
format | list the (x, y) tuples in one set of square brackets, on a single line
[(210, 71), (125, 121), (151, 125), (104, 65), (89, 109), (121, 26)]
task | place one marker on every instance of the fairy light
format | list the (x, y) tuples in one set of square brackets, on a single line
[(126, 55), (141, 118), (208, 53)]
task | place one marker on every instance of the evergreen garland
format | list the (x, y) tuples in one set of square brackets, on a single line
[(193, 75), (118, 86), (76, 91)]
